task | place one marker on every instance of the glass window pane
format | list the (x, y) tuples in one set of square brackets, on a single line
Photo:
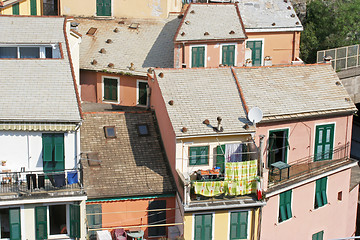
[(29, 52), (8, 52), (143, 130), (341, 53), (48, 52)]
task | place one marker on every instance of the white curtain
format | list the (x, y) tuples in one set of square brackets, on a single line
[(233, 152)]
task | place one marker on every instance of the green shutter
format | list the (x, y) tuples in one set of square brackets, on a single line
[(320, 192), (198, 57), (199, 155), (203, 227), (59, 152), (256, 52), (103, 8), (15, 9), (220, 157), (74, 221), (318, 236), (228, 55), (285, 211), (41, 222), (53, 152), (15, 224), (110, 89), (94, 221), (33, 8), (238, 225), (324, 139)]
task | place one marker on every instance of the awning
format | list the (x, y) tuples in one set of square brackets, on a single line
[(57, 127)]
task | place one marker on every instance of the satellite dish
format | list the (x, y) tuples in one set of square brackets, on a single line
[(255, 115)]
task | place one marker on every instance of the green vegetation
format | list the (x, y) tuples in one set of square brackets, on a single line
[(329, 24)]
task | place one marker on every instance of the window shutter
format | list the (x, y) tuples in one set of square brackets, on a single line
[(234, 230), (285, 206), (220, 157), (33, 10), (41, 222), (288, 204), (15, 9), (207, 226), (323, 190), (74, 221), (193, 155), (271, 152), (203, 155), (198, 227), (47, 147), (243, 224), (15, 224)]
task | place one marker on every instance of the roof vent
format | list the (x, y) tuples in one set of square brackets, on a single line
[(110, 65), (121, 22), (161, 75), (338, 83), (273, 24), (116, 30), (94, 62), (180, 16), (292, 15), (289, 8), (192, 11), (286, 1), (184, 129), (134, 26), (132, 68), (297, 23), (91, 31), (206, 121), (109, 41), (347, 99), (102, 50), (171, 102), (182, 34), (206, 33), (187, 22), (231, 32)]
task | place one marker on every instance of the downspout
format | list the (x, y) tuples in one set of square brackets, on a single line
[(28, 151), (261, 157), (293, 45), (347, 129), (183, 55)]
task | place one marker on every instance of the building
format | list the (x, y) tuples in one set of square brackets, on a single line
[(41, 189), (29, 7), (126, 174), (207, 138), (147, 9)]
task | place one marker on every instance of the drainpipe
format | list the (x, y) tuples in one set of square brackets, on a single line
[(183, 55), (28, 150), (261, 157), (293, 45)]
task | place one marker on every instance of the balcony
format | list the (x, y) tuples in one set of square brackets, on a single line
[(308, 167), (15, 185)]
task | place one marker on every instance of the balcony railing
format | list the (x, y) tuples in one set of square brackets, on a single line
[(311, 165), (31, 182)]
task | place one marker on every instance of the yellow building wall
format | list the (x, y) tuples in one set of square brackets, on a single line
[(24, 8), (221, 221), (123, 8)]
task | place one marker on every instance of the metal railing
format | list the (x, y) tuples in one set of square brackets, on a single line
[(342, 58), (28, 182), (310, 164)]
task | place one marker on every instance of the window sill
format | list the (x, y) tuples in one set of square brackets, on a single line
[(59, 236)]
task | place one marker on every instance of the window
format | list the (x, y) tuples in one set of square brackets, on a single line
[(199, 155), (143, 129), (29, 51), (94, 218), (53, 151), (339, 196), (198, 57), (15, 9), (228, 55), (53, 218), (318, 236), (220, 157), (33, 7), (103, 8), (157, 217), (320, 192), (203, 226), (110, 132), (278, 146), (238, 225), (256, 51), (111, 89), (285, 206), (324, 140), (10, 223), (142, 92)]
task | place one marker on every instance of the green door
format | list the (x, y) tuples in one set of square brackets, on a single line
[(324, 139), (203, 227), (74, 221), (15, 224), (228, 55), (33, 8), (41, 222), (103, 8), (53, 151), (198, 57), (110, 89), (256, 52), (142, 91)]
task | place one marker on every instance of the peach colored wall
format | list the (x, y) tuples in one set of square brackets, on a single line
[(279, 45), (334, 218), (166, 129), (302, 135), (132, 212), (92, 84), (352, 210), (213, 53)]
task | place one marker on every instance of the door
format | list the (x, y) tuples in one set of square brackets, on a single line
[(278, 146), (256, 52), (324, 140), (157, 217), (142, 93), (103, 8), (228, 55), (53, 152)]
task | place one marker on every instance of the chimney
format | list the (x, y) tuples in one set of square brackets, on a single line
[(327, 59)]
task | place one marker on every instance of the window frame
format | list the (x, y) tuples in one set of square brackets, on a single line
[(221, 53), (117, 92), (287, 129), (320, 182), (315, 143), (111, 9), (262, 48), (138, 81), (189, 155), (205, 55), (249, 211), (279, 219), (42, 50), (106, 133), (212, 223), (94, 209), (157, 214), (138, 129)]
